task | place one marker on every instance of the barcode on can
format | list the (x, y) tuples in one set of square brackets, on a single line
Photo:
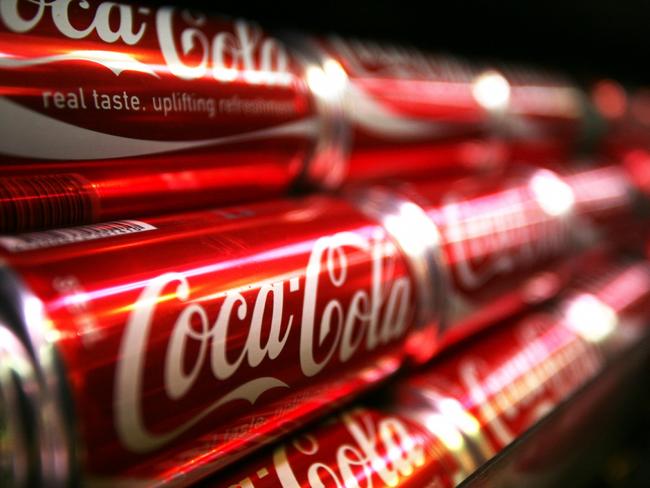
[(60, 237)]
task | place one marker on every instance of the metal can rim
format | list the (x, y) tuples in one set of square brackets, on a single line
[(52, 407), (327, 166), (419, 240), (19, 400)]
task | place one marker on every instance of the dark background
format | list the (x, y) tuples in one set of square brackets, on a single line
[(586, 38)]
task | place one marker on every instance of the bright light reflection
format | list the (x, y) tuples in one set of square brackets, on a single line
[(225, 74), (415, 239), (336, 74), (553, 195), (445, 431), (491, 90), (459, 417), (262, 257), (328, 82), (318, 82), (591, 318)]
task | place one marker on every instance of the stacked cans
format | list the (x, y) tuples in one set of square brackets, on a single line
[(152, 335)]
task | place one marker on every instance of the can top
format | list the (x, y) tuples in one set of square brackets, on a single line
[(32, 408), (18, 403), (419, 241), (327, 83)]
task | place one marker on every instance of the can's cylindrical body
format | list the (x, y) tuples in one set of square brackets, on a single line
[(535, 460), (120, 110), (497, 236), (409, 112), (181, 343), (511, 379)]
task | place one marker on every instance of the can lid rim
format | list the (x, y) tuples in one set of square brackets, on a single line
[(328, 164), (24, 317), (19, 398), (419, 240)]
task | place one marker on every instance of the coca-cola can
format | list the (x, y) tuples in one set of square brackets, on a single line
[(588, 422), (113, 111), (408, 112), (511, 378), (169, 348), (437, 427), (498, 236), (412, 113)]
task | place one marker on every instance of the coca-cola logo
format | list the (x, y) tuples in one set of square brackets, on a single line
[(499, 234), (378, 448), (549, 366), (226, 56), (373, 317)]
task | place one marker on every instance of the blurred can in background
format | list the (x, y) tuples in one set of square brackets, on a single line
[(112, 111)]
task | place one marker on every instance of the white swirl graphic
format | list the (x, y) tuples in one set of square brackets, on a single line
[(137, 438), (387, 123), (20, 127), (116, 62)]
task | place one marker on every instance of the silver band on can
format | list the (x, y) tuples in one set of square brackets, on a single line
[(419, 240), (327, 82), (41, 440)]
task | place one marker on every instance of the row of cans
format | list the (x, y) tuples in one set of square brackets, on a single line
[(165, 349), (120, 110), (439, 426)]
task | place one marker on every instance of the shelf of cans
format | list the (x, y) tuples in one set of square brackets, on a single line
[(214, 238)]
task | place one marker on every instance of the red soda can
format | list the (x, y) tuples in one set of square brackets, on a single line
[(498, 236), (113, 111), (410, 113), (511, 378), (171, 347), (363, 446), (535, 460)]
